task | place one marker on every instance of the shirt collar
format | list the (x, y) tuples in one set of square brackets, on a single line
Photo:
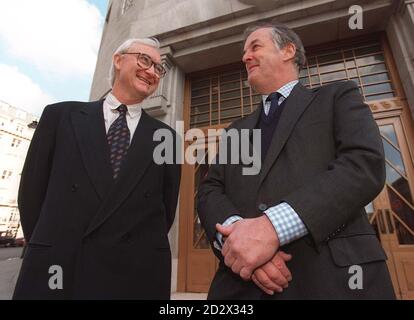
[(134, 110), (285, 90)]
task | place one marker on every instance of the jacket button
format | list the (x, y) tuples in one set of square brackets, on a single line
[(147, 194), (126, 237), (75, 187), (262, 207)]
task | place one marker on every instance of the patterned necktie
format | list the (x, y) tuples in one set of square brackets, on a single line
[(274, 102), (118, 139)]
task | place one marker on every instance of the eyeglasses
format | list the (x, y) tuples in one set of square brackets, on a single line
[(144, 61)]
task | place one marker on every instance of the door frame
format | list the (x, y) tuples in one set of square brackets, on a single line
[(381, 109)]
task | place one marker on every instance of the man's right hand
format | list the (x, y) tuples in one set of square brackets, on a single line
[(273, 275)]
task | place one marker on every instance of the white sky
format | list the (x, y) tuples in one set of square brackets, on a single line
[(19, 90), (45, 44)]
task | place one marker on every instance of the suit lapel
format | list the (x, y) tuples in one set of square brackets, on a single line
[(89, 126), (252, 120), (298, 101), (251, 124), (139, 157)]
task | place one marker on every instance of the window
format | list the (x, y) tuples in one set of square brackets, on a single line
[(363, 64), (4, 106), (21, 114), (15, 143), (6, 175), (20, 128), (221, 97)]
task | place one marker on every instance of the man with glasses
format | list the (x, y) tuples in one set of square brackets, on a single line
[(95, 207)]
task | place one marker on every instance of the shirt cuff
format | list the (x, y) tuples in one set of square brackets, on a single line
[(219, 243), (286, 222)]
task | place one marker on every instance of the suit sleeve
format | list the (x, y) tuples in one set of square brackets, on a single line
[(352, 179), (213, 205), (36, 172), (172, 179)]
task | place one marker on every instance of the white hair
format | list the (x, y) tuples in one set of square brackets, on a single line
[(124, 47)]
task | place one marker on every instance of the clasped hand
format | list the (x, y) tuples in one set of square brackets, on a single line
[(251, 251)]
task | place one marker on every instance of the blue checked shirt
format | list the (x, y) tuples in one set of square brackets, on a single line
[(284, 219)]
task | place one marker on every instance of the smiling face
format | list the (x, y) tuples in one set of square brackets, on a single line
[(268, 67), (132, 83)]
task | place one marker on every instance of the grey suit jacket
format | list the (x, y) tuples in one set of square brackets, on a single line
[(326, 161)]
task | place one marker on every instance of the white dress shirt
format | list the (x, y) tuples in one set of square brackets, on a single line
[(110, 113)]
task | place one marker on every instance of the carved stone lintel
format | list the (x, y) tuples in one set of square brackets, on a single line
[(158, 103), (156, 106)]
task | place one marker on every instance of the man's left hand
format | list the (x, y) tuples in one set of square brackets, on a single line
[(273, 275), (250, 243)]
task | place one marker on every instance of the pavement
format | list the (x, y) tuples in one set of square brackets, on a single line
[(10, 252), (188, 296), (9, 271)]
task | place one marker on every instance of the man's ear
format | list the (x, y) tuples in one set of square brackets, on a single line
[(289, 51), (117, 62)]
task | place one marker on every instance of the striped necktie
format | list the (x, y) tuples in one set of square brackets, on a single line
[(118, 139)]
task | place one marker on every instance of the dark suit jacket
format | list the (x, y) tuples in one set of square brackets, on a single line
[(326, 161), (109, 238)]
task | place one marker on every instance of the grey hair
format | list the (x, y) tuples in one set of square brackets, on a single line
[(125, 46), (281, 36)]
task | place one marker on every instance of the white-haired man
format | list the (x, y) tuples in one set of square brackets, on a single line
[(95, 208)]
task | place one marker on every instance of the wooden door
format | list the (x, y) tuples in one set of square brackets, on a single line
[(200, 263), (393, 210), (218, 96)]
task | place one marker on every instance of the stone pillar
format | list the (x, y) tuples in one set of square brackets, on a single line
[(401, 37), (158, 103), (166, 104)]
